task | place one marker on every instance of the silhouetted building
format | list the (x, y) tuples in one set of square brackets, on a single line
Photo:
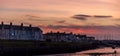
[(58, 37), (66, 37), (84, 38), (20, 32), (90, 38)]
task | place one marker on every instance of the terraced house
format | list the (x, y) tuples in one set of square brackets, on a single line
[(66, 37), (20, 32), (58, 36)]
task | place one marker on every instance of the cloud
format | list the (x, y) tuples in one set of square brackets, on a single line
[(61, 21), (81, 16), (85, 29), (117, 19), (33, 10), (102, 16), (38, 18), (34, 18), (78, 27), (85, 17), (100, 32)]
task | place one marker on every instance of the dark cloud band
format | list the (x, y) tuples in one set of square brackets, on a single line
[(101, 16), (85, 17)]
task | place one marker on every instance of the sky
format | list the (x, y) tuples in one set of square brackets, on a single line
[(99, 18)]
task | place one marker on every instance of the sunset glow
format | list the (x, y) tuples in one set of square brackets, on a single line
[(78, 16)]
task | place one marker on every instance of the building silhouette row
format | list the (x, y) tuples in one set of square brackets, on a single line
[(66, 37), (21, 32)]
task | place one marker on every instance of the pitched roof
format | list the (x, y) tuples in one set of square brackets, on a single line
[(57, 33), (19, 27)]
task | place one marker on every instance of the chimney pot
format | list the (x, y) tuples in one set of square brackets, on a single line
[(2, 23), (21, 24), (30, 25), (11, 23)]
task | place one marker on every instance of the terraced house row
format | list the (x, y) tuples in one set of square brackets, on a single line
[(20, 32), (66, 37)]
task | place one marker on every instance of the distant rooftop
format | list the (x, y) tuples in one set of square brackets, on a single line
[(18, 27)]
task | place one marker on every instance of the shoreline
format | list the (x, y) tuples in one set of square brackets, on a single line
[(11, 47), (41, 51)]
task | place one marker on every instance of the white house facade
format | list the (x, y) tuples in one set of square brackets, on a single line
[(20, 32)]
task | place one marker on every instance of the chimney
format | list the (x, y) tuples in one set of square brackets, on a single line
[(30, 25), (71, 33), (10, 23), (2, 23), (21, 24), (51, 32), (58, 32)]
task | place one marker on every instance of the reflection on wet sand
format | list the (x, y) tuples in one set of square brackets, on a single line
[(108, 51), (101, 52)]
